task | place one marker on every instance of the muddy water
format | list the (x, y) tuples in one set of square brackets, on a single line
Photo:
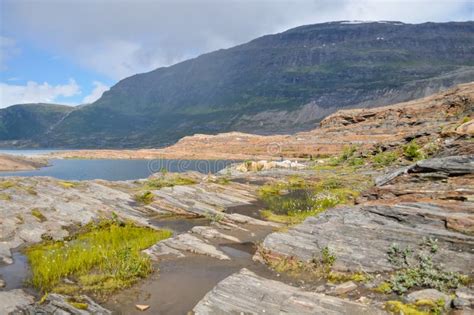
[(181, 283), (251, 210)]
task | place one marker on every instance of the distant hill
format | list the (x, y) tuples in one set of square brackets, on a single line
[(274, 84), (28, 121)]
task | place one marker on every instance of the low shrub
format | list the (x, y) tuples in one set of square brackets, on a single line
[(383, 159), (412, 151), (419, 270)]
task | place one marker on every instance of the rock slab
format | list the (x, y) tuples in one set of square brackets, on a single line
[(246, 293)]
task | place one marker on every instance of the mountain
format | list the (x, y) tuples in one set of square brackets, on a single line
[(278, 83), (26, 121)]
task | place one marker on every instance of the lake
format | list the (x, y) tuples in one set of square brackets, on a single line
[(69, 169)]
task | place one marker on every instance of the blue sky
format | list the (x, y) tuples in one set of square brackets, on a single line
[(70, 52)]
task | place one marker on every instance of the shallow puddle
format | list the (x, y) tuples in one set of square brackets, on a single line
[(239, 250), (181, 283), (16, 274), (251, 210)]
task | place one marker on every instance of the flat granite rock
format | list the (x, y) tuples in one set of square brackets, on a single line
[(450, 165), (360, 236), (58, 304), (246, 293), (185, 243), (453, 165), (13, 300)]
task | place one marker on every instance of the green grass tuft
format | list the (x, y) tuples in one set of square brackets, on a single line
[(383, 159), (146, 198), (106, 256), (413, 152)]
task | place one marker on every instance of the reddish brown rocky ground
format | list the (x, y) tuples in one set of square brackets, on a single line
[(18, 163)]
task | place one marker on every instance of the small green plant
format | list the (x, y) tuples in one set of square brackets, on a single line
[(38, 214), (419, 270), (356, 161), (224, 180), (327, 258), (465, 120), (384, 288), (397, 307), (145, 198), (347, 153), (412, 151), (164, 171), (420, 307), (383, 159), (214, 217)]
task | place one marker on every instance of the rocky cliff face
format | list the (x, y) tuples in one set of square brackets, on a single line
[(278, 83)]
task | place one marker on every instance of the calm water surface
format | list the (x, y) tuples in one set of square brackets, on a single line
[(119, 169)]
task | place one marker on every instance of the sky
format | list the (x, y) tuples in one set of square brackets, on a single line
[(71, 51)]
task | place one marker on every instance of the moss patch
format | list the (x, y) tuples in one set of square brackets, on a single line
[(145, 198), (38, 215), (5, 184), (67, 185), (168, 181), (5, 197), (102, 258), (397, 307)]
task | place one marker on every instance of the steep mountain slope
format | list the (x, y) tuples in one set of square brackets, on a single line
[(25, 121), (275, 84), (439, 116)]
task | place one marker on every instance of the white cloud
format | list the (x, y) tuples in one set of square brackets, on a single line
[(121, 38), (34, 92), (99, 89), (8, 49)]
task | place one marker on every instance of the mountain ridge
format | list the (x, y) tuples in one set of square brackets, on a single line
[(280, 83)]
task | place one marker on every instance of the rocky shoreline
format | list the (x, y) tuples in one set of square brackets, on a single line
[(19, 163)]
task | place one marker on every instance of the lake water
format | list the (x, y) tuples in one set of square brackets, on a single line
[(69, 169)]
